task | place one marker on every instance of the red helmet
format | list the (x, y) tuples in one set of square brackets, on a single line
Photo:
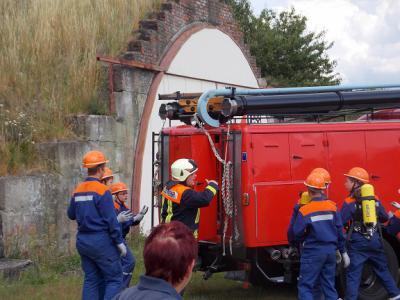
[(118, 187), (93, 159), (324, 174), (107, 173), (315, 181), (359, 174)]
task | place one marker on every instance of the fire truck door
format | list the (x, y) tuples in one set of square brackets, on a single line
[(346, 150), (272, 189), (307, 151), (383, 163)]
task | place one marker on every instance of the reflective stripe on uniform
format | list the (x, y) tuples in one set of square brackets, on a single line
[(321, 218), (125, 273), (175, 193), (196, 221), (210, 188), (83, 198), (196, 234), (169, 212)]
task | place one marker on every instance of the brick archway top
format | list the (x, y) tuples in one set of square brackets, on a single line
[(157, 33)]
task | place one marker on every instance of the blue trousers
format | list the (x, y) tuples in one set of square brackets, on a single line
[(361, 251), (313, 267), (128, 265), (101, 264)]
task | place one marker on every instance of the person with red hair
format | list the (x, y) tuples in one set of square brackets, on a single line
[(170, 252)]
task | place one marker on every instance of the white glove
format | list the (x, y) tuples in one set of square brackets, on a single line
[(390, 214), (138, 218), (144, 210), (124, 216), (346, 259), (140, 215), (395, 204), (122, 249), (293, 251), (338, 257)]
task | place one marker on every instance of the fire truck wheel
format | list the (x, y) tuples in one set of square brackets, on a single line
[(370, 287)]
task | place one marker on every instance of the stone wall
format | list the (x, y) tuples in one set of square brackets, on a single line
[(33, 208)]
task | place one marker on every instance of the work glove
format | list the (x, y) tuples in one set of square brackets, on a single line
[(293, 251), (346, 259), (140, 215), (144, 210), (395, 204), (122, 249), (390, 214), (338, 257), (124, 216)]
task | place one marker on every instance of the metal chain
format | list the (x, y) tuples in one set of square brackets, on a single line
[(226, 184)]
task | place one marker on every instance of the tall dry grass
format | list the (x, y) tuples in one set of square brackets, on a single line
[(48, 66)]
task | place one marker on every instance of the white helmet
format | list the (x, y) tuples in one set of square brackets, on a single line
[(182, 168)]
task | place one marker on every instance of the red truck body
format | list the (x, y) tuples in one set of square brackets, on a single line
[(275, 160), (270, 163)]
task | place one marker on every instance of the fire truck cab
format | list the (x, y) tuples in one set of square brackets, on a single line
[(261, 160)]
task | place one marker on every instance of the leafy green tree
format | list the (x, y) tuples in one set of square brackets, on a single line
[(286, 52)]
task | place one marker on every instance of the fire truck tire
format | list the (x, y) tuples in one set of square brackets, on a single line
[(370, 287)]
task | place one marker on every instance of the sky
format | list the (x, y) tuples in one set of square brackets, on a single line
[(366, 35)]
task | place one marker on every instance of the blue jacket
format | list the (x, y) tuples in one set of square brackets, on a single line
[(393, 227), (91, 205), (125, 227), (290, 233), (320, 226), (348, 212), (150, 288)]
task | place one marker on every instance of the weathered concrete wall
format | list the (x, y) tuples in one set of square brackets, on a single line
[(33, 208)]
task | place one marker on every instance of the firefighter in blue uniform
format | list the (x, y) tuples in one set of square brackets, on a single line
[(304, 199), (126, 219), (393, 227), (99, 240), (294, 248), (180, 202), (364, 238), (319, 227)]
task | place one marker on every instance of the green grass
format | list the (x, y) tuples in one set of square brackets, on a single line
[(49, 67), (62, 279)]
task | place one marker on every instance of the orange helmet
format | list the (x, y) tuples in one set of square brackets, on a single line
[(315, 181), (93, 159), (359, 174), (107, 173), (324, 173), (118, 187)]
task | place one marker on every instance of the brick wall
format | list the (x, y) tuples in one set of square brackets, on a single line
[(155, 34)]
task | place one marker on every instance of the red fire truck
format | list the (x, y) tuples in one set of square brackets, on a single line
[(260, 145)]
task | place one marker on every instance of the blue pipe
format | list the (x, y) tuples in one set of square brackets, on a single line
[(203, 100)]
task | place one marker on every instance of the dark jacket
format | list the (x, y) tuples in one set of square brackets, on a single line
[(150, 288), (182, 203)]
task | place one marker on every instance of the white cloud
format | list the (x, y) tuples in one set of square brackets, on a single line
[(366, 34)]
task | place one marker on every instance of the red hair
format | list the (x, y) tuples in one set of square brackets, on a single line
[(169, 251)]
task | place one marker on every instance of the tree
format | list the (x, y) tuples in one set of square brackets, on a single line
[(286, 52)]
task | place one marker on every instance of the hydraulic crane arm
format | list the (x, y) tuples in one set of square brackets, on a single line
[(224, 104)]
